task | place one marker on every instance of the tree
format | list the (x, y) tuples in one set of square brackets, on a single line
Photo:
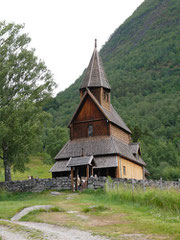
[(25, 85), (54, 140)]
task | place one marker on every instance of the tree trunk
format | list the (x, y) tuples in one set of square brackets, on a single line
[(7, 169)]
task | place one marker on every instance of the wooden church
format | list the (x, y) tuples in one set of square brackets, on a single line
[(100, 142)]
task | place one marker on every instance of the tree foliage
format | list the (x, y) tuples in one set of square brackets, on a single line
[(25, 85)]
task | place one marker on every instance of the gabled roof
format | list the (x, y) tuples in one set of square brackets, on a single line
[(97, 146), (95, 75), (111, 115), (80, 161), (134, 147)]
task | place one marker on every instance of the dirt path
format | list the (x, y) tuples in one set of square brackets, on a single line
[(43, 231), (6, 234)]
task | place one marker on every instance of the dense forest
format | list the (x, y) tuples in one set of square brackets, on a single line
[(141, 60)]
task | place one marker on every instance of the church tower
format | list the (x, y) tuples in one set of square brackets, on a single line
[(96, 81)]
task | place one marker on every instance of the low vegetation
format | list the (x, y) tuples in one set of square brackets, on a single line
[(30, 215), (168, 200), (97, 211)]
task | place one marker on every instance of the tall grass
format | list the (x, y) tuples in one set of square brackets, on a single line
[(165, 199)]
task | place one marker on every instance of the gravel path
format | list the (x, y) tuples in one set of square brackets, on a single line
[(6, 234), (48, 232), (60, 233), (41, 230)]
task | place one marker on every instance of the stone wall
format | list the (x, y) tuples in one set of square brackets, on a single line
[(37, 185), (95, 183), (64, 183)]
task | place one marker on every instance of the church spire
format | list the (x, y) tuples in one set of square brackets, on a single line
[(95, 46), (95, 75)]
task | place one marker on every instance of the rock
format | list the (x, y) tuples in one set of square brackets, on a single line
[(55, 193)]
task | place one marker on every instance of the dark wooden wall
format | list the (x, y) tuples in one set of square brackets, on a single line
[(80, 130), (89, 114), (89, 111)]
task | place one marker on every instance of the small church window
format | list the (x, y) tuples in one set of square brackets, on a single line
[(90, 130), (124, 170)]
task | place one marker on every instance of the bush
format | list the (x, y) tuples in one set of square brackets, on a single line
[(46, 158), (171, 173)]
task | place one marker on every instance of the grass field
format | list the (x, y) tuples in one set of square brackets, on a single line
[(96, 212), (36, 167)]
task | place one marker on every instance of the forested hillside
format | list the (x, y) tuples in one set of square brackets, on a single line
[(141, 59)]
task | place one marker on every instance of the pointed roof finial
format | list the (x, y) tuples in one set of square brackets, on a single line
[(95, 43)]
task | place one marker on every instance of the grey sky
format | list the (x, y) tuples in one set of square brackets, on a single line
[(63, 31)]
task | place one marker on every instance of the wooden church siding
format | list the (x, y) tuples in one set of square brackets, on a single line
[(97, 93), (118, 169), (120, 134), (80, 130), (133, 171), (106, 105), (105, 99), (89, 111)]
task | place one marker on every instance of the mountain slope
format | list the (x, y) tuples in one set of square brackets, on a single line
[(141, 59)]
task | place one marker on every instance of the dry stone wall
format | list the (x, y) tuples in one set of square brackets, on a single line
[(37, 185), (64, 183)]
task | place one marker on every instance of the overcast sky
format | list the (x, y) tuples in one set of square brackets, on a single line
[(63, 31)]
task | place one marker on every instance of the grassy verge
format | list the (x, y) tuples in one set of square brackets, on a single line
[(30, 216), (169, 200), (97, 212)]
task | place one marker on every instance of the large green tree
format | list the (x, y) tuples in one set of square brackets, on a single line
[(25, 84)]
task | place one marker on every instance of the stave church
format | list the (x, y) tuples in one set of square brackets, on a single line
[(100, 141)]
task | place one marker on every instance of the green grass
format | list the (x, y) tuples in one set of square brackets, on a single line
[(36, 167), (11, 203), (169, 200), (30, 216), (95, 209), (107, 215)]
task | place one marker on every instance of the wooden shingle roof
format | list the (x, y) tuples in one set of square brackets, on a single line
[(106, 161), (60, 166), (96, 146), (79, 161), (100, 162), (134, 147), (95, 75)]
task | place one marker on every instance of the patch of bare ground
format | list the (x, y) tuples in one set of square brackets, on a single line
[(7, 234), (105, 225)]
